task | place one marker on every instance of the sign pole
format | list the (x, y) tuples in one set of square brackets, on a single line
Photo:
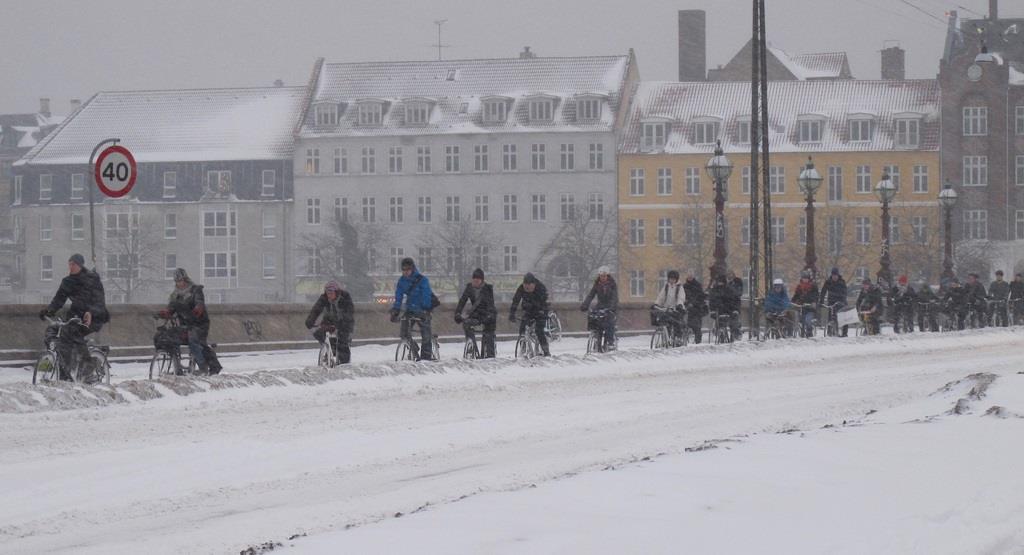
[(92, 204)]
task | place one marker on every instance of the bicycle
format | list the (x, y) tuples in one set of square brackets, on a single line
[(50, 365), (806, 330), (776, 325), (1016, 312), (553, 327), (868, 325), (328, 356), (408, 349), (926, 317), (721, 331), (471, 350), (662, 337), (997, 313), (832, 328), (527, 346), (168, 360), (597, 323)]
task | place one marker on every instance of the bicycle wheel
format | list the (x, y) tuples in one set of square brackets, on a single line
[(323, 358), (593, 342), (684, 337), (46, 368), (522, 351), (554, 327), (656, 340), (404, 351), (161, 364), (470, 351), (101, 366), (436, 353)]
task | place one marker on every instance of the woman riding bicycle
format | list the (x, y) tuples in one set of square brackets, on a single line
[(607, 294), (336, 313), (188, 304), (671, 299), (532, 296)]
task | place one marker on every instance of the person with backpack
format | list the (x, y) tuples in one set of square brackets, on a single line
[(532, 297), (414, 301), (84, 289), (671, 299), (480, 297), (336, 312)]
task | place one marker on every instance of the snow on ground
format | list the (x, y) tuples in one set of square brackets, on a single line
[(264, 455)]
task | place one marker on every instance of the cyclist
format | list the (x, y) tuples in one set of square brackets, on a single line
[(976, 298), (336, 313), (607, 294), (926, 314), (188, 303), (723, 298), (735, 282), (806, 293), (833, 295), (869, 305), (696, 305), (775, 305), (480, 296), (999, 291), (672, 297), (532, 297), (413, 294), (84, 289), (904, 299), (1017, 297), (956, 302)]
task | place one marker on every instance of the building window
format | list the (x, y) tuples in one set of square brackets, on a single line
[(340, 209), (312, 161), (810, 131), (860, 130), (567, 205), (863, 179), (511, 258), (17, 190), (45, 227), (636, 283), (595, 204), (77, 186), (1019, 116), (743, 132), (541, 110), (219, 265), (596, 156), (451, 159), (311, 263), (45, 186), (495, 111), (636, 182), (894, 174), (268, 224), (313, 211), (121, 224), (975, 171), (1019, 225), (510, 208), (745, 230), (664, 231), (777, 180), (691, 232), (481, 161), (975, 120), (452, 260), (221, 223), (664, 181), (975, 224), (170, 265), (46, 267), (417, 113), (369, 160), (123, 266), (588, 109), (269, 266), (395, 159), (77, 227), (801, 229), (908, 133), (481, 208), (482, 257), (1020, 170), (425, 258), (538, 157), (835, 183), (835, 234), (340, 161), (370, 113), (269, 183), (745, 180), (369, 210), (423, 159), (894, 229), (170, 189), (423, 210), (451, 209), (326, 114), (508, 158), (397, 254), (693, 181), (170, 225), (778, 228), (396, 210), (653, 136), (919, 225), (567, 157), (862, 227), (539, 207), (636, 232), (705, 133), (920, 179)]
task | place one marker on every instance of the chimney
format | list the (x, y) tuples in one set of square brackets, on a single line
[(692, 45), (526, 54), (44, 106), (75, 104), (893, 63), (993, 9)]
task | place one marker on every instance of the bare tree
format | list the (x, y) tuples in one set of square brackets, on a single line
[(587, 240), (131, 258), (348, 251), (462, 245)]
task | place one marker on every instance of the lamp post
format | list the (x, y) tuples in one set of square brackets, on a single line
[(886, 191), (719, 169), (809, 182), (947, 200)]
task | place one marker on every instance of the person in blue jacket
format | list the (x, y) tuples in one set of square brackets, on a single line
[(414, 297), (776, 304)]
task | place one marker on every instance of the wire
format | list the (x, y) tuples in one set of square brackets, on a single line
[(935, 17), (903, 15)]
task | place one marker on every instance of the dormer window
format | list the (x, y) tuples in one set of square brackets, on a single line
[(326, 113), (542, 109), (861, 129), (417, 112), (495, 109), (706, 132), (370, 113), (810, 130), (908, 132), (588, 108), (653, 135)]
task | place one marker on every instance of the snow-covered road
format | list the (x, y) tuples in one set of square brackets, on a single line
[(221, 469)]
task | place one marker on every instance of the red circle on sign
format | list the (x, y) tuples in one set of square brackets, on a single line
[(98, 175)]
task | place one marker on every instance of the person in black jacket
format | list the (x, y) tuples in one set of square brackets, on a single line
[(976, 298), (1017, 298), (480, 296), (833, 296), (806, 296), (999, 293), (696, 305), (904, 301), (188, 303), (336, 312), (735, 282), (532, 297), (927, 303), (955, 302), (84, 289), (723, 298), (869, 305), (607, 294)]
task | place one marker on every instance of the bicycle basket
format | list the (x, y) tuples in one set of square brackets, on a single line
[(167, 338)]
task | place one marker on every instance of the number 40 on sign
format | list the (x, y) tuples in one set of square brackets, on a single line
[(115, 171)]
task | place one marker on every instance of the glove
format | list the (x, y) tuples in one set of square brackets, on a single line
[(45, 313), (680, 308), (512, 317), (394, 315), (654, 306), (458, 318), (328, 327), (197, 311), (165, 314), (583, 308)]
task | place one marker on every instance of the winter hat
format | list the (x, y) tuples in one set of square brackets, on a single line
[(835, 271), (805, 274), (603, 270), (529, 278), (903, 280), (778, 281), (332, 286), (77, 259), (408, 263), (672, 274), (478, 274), (866, 281), (181, 275), (999, 272)]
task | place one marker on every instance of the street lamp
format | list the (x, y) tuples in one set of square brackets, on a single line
[(886, 191), (947, 200), (809, 182), (719, 169)]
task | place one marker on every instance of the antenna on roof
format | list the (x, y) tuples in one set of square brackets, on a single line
[(440, 45)]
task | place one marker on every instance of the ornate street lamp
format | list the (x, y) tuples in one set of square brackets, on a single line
[(809, 182), (719, 169), (886, 191), (947, 200)]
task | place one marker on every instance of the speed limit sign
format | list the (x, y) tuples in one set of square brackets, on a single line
[(115, 171)]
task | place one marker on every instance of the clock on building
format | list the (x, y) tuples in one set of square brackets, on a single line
[(974, 72)]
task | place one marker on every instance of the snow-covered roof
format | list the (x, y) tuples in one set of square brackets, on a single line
[(1017, 74), (838, 101), (27, 129), (457, 87), (822, 65), (180, 125)]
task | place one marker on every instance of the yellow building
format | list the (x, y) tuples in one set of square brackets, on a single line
[(853, 130)]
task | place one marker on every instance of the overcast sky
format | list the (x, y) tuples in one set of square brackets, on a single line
[(65, 49)]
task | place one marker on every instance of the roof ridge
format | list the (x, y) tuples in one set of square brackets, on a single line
[(525, 60), (203, 89)]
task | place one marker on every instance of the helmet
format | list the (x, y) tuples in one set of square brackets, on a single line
[(603, 270), (672, 274), (332, 286), (777, 281)]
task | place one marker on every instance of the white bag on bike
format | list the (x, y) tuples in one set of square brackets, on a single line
[(847, 317)]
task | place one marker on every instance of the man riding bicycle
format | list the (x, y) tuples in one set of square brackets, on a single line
[(904, 301), (336, 313), (999, 291), (671, 298), (806, 295), (607, 294), (532, 296), (833, 295), (927, 303), (696, 305), (1017, 298), (869, 306), (977, 299), (84, 289), (413, 294), (188, 304), (480, 296), (723, 298)]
